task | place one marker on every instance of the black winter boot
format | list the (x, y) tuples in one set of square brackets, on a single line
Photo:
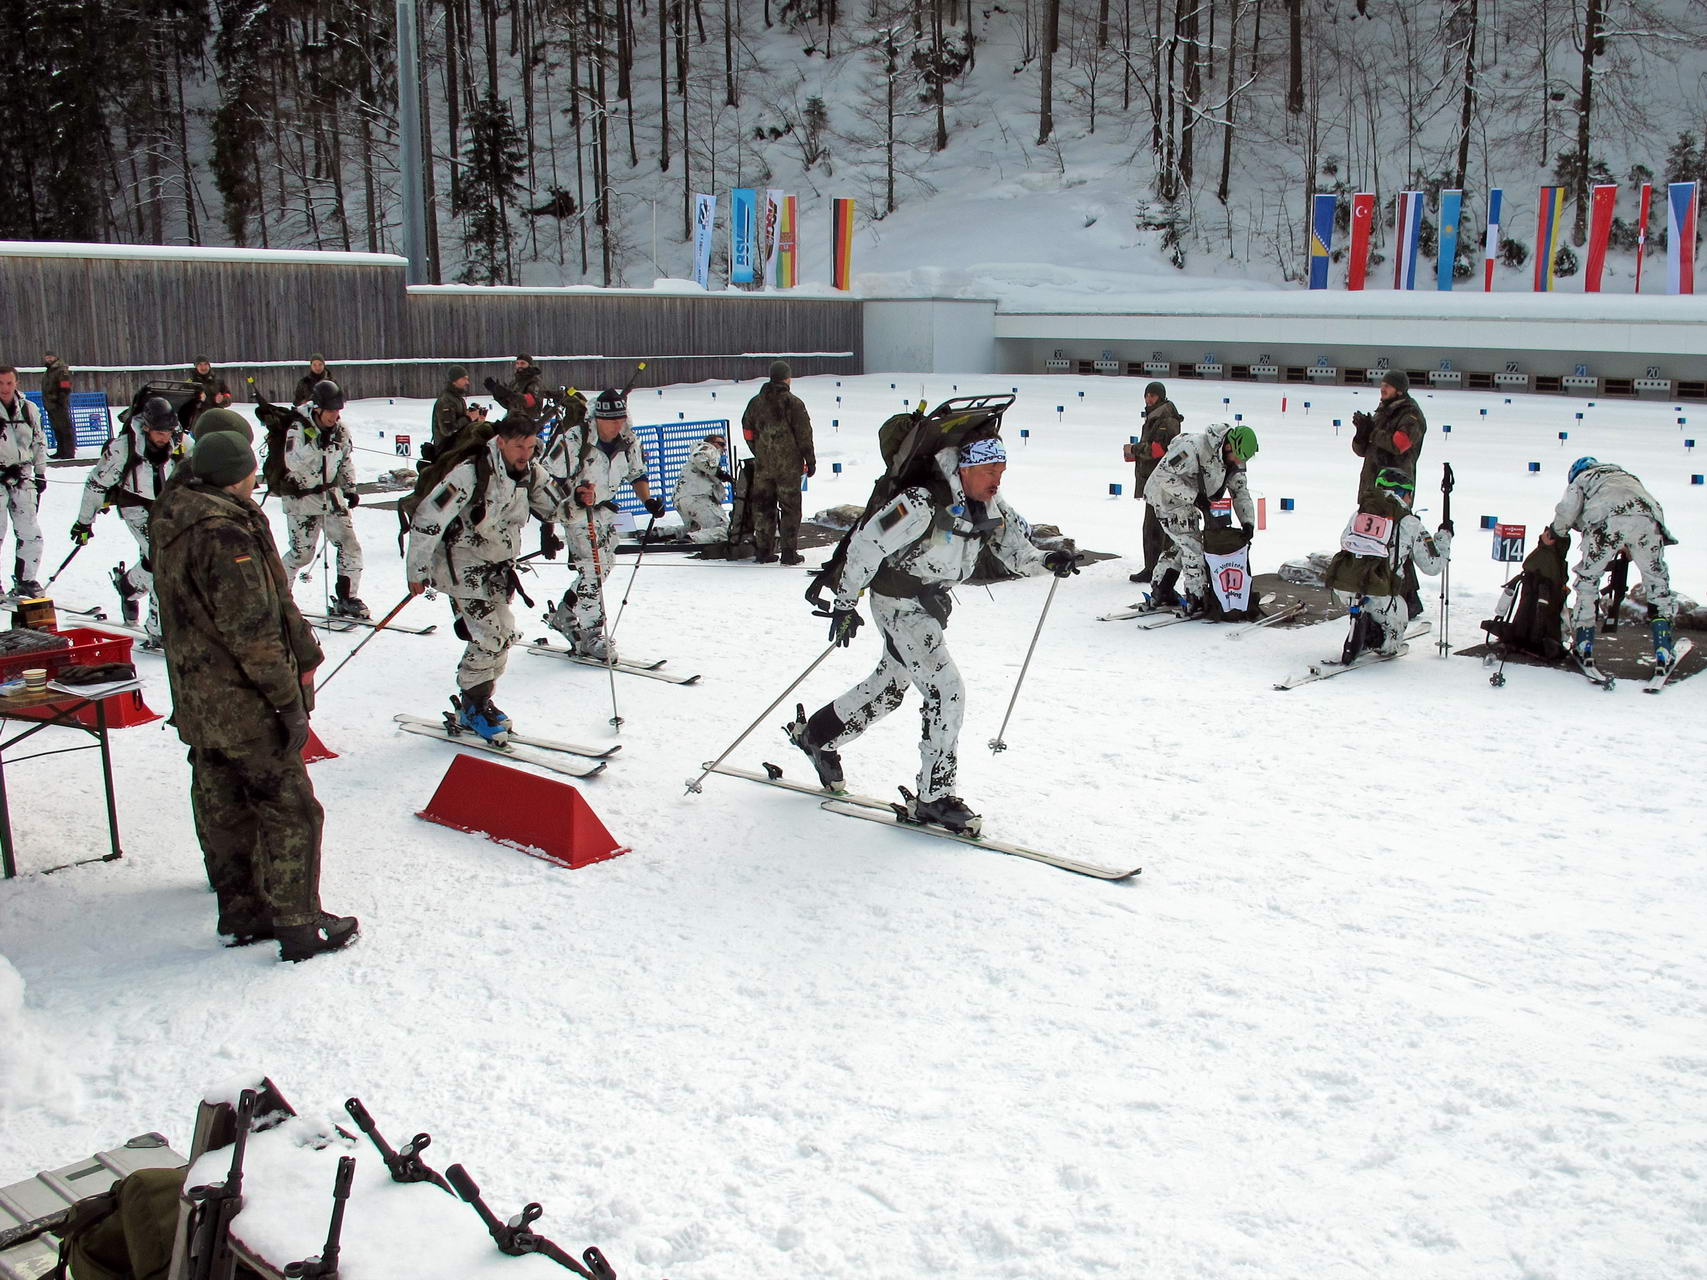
[(827, 763), (950, 812), (300, 942)]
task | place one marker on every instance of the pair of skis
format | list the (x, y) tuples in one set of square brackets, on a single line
[(1656, 682), (344, 622), (547, 753), (629, 667), (852, 805), (1328, 668)]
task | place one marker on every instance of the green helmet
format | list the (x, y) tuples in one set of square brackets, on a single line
[(1244, 442), (1393, 480)]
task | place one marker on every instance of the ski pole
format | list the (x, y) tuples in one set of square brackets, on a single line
[(377, 628), (599, 582), (1446, 483), (68, 559), (645, 541), (999, 742), (694, 783)]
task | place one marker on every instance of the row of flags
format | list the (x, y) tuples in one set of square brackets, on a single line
[(764, 248), (1683, 200)]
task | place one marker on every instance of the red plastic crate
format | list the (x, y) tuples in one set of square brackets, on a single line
[(89, 647)]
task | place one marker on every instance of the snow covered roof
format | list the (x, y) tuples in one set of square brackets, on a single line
[(188, 253)]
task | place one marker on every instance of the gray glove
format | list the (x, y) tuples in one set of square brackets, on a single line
[(293, 723)]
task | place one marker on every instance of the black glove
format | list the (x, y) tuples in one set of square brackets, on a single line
[(1446, 527), (1062, 564), (81, 533), (41, 487), (811, 468), (491, 385), (293, 723), (654, 507), (549, 543), (1362, 421), (844, 624), (726, 477), (352, 498)]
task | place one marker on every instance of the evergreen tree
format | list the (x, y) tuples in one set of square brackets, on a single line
[(494, 162), (48, 53)]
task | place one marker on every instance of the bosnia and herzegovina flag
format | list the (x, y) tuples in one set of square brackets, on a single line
[(1548, 222), (1493, 243), (1451, 206), (1680, 237), (1321, 238), (1407, 238)]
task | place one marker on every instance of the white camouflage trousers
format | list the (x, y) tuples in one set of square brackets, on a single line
[(914, 652), (1184, 552), (1388, 617), (1637, 533), (580, 616), (20, 507), (140, 576), (304, 543), (491, 627), (703, 519)]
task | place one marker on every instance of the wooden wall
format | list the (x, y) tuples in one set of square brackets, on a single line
[(158, 313)]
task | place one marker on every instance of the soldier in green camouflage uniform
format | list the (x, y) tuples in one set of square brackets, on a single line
[(207, 386), (239, 657), (778, 430), (56, 399)]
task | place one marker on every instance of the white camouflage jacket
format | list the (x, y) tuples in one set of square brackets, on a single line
[(698, 477), (564, 464), (1194, 467), (1602, 492), (23, 443), (124, 468), (947, 543), (314, 467), (458, 553)]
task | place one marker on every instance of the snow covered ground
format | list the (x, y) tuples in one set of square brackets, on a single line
[(1411, 985)]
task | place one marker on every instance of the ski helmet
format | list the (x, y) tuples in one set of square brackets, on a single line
[(1581, 465), (1244, 442), (327, 396), (158, 414), (1392, 480), (611, 404)]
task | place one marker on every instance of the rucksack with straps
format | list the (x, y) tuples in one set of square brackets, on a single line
[(126, 1232), (909, 443), (1533, 604), (1367, 563), (277, 419), (468, 443)]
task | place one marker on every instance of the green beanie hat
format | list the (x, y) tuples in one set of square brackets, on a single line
[(212, 420), (780, 371), (222, 458), (1244, 442)]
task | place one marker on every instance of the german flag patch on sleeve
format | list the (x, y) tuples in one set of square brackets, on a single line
[(892, 517)]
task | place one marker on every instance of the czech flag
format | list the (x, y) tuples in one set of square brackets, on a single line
[(1680, 265)]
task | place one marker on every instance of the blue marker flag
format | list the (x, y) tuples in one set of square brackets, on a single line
[(1451, 206)]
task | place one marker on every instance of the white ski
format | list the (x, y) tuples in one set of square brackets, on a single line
[(626, 667), (559, 757), (1291, 611), (850, 804), (1328, 668), (342, 622), (98, 618), (1657, 681)]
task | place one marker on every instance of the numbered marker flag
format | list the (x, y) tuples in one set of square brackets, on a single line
[(1492, 248), (1601, 204), (1321, 238), (1680, 256), (1362, 218), (1407, 237), (1451, 206), (1547, 222)]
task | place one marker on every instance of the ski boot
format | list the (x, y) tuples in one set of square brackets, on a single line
[(1361, 637), (477, 714), (827, 763), (597, 648), (129, 609), (1665, 652), (345, 604), (1582, 648), (948, 812), (299, 942), (27, 589), (1162, 594)]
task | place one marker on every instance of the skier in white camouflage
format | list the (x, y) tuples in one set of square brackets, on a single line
[(134, 468), (1369, 572), (319, 491), (464, 539), (699, 490), (909, 554), (1196, 469), (587, 462), (1615, 514), (23, 478)]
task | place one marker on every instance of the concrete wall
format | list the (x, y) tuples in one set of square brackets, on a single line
[(930, 335)]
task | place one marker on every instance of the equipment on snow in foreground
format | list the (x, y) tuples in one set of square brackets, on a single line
[(68, 559), (695, 784), (325, 1265), (377, 628), (1328, 668), (405, 1165), (216, 1204), (1446, 483), (515, 1238), (999, 743)]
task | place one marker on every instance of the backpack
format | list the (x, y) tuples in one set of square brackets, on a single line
[(277, 419), (1367, 563), (125, 1232), (1533, 604), (909, 443), (468, 443), (1226, 553)]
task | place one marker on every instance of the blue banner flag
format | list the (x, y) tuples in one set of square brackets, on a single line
[(1451, 206), (1321, 239), (743, 223)]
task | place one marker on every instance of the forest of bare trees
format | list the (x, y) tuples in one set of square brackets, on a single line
[(573, 133)]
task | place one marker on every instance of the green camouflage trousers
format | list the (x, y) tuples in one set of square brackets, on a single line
[(775, 504), (259, 826)]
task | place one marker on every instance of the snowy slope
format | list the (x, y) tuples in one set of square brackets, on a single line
[(1411, 983)]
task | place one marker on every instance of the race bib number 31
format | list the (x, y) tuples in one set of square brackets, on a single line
[(1368, 534)]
